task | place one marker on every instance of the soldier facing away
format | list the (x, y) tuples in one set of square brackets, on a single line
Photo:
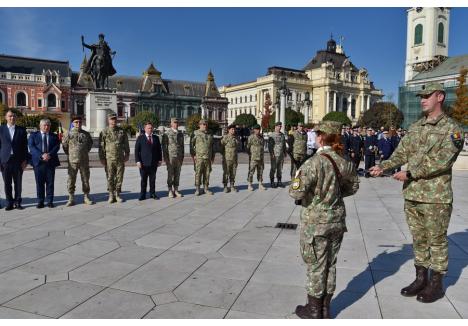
[(298, 146), (256, 152), (76, 144), (430, 148), (229, 145), (320, 185), (203, 156), (173, 153), (277, 149), (114, 151)]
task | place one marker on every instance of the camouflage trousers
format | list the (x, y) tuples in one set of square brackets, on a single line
[(276, 167), (202, 172), (320, 254), (255, 165), (229, 171), (428, 224), (115, 172), (173, 171), (73, 168), (298, 158)]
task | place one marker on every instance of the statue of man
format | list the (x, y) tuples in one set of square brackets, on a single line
[(99, 65)]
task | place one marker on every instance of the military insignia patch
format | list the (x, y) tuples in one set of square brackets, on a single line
[(296, 183), (456, 139)]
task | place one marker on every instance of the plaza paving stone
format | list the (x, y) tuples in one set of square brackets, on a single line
[(216, 256)]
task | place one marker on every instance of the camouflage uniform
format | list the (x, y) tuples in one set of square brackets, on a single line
[(173, 151), (113, 148), (298, 148), (277, 149), (430, 148), (76, 144), (202, 148), (229, 144), (256, 152)]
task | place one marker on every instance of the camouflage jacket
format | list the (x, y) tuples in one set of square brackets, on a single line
[(201, 145), (76, 144), (298, 143), (277, 145), (255, 147), (113, 144), (229, 144), (173, 144), (430, 148), (316, 185)]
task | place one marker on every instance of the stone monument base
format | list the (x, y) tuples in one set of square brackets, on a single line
[(98, 105)]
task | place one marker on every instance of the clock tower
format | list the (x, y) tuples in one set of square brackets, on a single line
[(426, 39)]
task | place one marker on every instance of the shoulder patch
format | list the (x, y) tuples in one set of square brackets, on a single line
[(456, 139), (296, 183)]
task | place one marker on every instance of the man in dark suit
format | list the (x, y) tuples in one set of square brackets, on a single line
[(355, 148), (148, 157), (370, 149), (385, 145), (13, 158), (44, 146)]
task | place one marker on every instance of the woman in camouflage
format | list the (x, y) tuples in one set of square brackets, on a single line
[(319, 186)]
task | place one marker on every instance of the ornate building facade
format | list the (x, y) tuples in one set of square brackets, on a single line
[(329, 82)]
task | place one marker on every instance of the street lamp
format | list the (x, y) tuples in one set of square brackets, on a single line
[(277, 106), (284, 91), (307, 106)]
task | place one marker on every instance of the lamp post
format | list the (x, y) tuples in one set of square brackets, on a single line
[(307, 106), (277, 106), (284, 91)]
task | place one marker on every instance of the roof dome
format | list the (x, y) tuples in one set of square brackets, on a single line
[(331, 45)]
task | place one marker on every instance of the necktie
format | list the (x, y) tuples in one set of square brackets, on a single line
[(44, 143), (150, 141)]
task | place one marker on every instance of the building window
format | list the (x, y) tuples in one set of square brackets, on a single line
[(120, 109), (1, 97), (245, 98), (132, 110), (240, 99), (232, 101), (440, 33), (51, 101), (80, 108), (250, 98), (20, 99), (418, 34), (236, 100), (62, 104)]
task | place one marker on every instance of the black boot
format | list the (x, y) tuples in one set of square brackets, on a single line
[(326, 305), (312, 310), (418, 284), (279, 183), (434, 290), (272, 182)]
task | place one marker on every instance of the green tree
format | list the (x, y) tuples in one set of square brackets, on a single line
[(141, 117), (3, 110), (246, 119), (191, 124), (460, 107), (33, 120), (384, 114), (292, 118), (337, 116)]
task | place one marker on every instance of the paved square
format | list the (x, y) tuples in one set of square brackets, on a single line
[(211, 256)]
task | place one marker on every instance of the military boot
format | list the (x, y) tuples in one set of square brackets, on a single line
[(197, 191), (272, 182), (311, 310), (326, 306), (87, 200), (233, 187), (118, 198), (71, 200), (418, 284), (208, 191), (111, 198), (226, 189), (434, 289), (279, 183), (170, 194), (261, 186), (177, 193), (249, 187)]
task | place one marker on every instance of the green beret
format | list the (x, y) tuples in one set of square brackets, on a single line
[(112, 116)]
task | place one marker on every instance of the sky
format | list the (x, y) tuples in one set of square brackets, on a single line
[(237, 44)]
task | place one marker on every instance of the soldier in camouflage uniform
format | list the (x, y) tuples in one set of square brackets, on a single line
[(255, 144), (297, 142), (319, 186), (229, 145), (114, 151), (173, 153), (203, 156), (430, 148), (277, 149), (76, 144)]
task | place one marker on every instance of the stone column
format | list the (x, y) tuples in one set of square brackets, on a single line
[(368, 102), (327, 106), (277, 113), (334, 101), (306, 113), (350, 99), (283, 110)]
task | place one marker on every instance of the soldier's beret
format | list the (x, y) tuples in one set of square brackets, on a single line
[(231, 126), (174, 120), (279, 123), (112, 116), (329, 127), (76, 117), (257, 126), (430, 88), (202, 122)]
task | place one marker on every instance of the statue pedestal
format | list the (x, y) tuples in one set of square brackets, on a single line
[(98, 105)]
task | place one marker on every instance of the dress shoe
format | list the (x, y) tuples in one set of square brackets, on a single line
[(50, 205), (154, 196), (9, 207), (40, 205), (18, 206)]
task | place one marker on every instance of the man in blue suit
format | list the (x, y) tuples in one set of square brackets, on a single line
[(44, 146), (13, 158), (385, 145)]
